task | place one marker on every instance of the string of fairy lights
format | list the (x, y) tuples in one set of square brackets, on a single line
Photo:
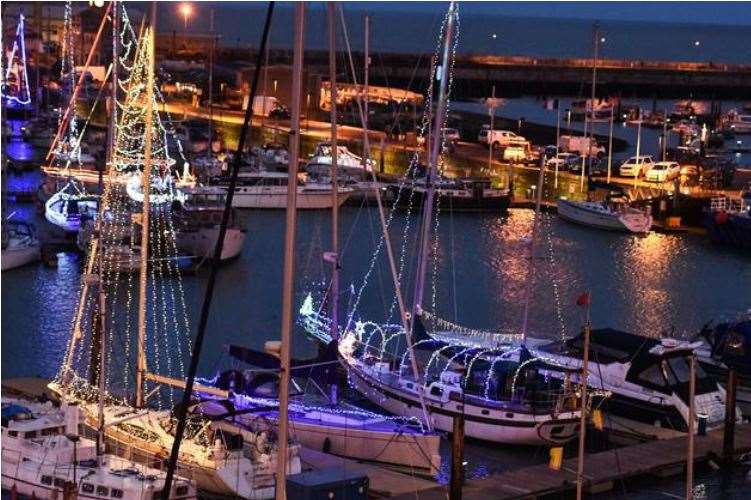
[(16, 68), (116, 257)]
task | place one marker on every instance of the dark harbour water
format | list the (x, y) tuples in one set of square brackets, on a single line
[(649, 284)]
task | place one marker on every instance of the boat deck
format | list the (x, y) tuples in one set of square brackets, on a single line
[(601, 469)]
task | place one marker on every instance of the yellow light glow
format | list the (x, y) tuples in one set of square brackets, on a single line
[(186, 9)]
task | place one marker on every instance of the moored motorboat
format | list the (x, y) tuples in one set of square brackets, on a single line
[(198, 221), (70, 207), (646, 380), (728, 221), (20, 245), (461, 194), (44, 457), (729, 344), (268, 190)]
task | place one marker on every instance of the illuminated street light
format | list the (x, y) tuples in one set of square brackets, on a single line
[(697, 43), (186, 10)]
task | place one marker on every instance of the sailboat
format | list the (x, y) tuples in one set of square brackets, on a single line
[(317, 419), (152, 318), (14, 79), (439, 377)]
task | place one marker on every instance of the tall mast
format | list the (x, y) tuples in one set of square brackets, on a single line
[(588, 152), (289, 252), (334, 294), (209, 151), (442, 75), (366, 92), (146, 183), (100, 254), (532, 245)]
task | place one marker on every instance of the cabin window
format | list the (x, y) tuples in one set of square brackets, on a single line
[(59, 482), (409, 385), (485, 412), (556, 430), (30, 434), (181, 491), (47, 480), (157, 495), (455, 396), (102, 491), (87, 487), (116, 493), (653, 375), (12, 434), (436, 391)]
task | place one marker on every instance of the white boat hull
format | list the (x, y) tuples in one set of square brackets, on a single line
[(487, 424), (277, 199), (629, 222), (13, 257), (202, 242), (351, 439)]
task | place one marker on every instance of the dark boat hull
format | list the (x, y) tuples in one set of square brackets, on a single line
[(477, 201), (733, 229)]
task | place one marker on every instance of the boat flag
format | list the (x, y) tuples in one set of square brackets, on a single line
[(583, 299)]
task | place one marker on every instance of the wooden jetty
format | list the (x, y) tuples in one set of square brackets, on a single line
[(601, 470)]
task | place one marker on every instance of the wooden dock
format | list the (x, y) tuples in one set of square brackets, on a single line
[(601, 470)]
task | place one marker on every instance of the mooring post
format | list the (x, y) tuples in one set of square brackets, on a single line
[(457, 458), (728, 441), (691, 419)]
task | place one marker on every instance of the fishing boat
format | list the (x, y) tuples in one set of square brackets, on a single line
[(728, 220), (646, 379), (728, 344), (321, 421), (198, 221), (20, 245), (70, 207), (268, 190), (614, 213), (44, 456)]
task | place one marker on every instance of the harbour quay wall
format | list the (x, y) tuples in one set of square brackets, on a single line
[(475, 75)]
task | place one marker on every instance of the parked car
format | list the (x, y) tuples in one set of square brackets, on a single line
[(515, 154), (591, 164), (582, 145), (563, 161), (636, 166), (504, 138), (663, 171)]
